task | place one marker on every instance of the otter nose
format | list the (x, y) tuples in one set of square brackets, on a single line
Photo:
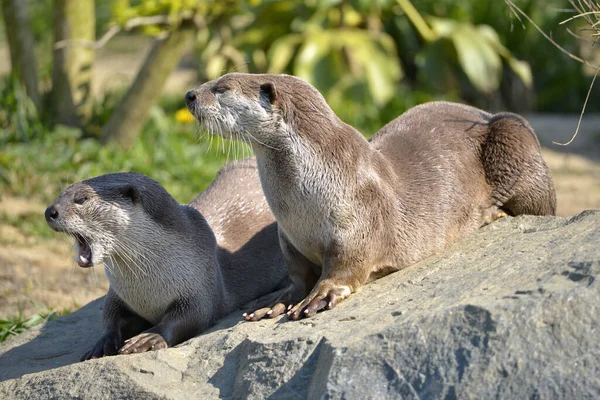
[(190, 97), (51, 213)]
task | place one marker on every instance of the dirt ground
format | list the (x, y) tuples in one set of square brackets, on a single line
[(36, 273)]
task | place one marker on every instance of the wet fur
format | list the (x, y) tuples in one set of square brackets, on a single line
[(173, 271), (349, 210)]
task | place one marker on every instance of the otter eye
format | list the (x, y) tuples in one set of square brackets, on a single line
[(219, 90), (80, 200)]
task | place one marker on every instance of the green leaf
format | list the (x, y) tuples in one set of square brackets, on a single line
[(522, 70), (442, 27), (480, 61), (281, 53), (377, 60), (314, 49), (215, 66)]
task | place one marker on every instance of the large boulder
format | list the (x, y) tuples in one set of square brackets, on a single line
[(513, 311)]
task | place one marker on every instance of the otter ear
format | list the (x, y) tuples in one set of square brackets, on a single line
[(268, 92), (131, 192)]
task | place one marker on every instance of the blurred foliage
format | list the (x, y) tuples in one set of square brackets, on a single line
[(19, 121), (560, 84), (371, 59), (167, 151), (374, 59), (352, 52)]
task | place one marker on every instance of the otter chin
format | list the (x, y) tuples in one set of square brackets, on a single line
[(351, 210), (173, 269)]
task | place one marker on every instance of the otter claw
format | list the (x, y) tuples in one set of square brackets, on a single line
[(271, 312), (324, 296), (144, 342)]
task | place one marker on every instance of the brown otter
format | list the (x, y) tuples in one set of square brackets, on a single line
[(173, 269), (350, 211)]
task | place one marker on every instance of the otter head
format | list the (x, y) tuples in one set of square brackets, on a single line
[(259, 108), (100, 213)]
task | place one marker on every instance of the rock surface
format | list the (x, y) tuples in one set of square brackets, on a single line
[(513, 311)]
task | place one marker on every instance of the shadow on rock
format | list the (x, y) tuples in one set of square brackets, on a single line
[(48, 347), (250, 370)]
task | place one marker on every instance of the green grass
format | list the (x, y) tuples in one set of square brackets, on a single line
[(20, 324), (169, 152), (30, 225)]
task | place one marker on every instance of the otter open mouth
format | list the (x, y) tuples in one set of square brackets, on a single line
[(84, 256)]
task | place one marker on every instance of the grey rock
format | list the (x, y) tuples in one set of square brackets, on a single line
[(512, 311)]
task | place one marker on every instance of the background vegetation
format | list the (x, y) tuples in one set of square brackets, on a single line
[(372, 59)]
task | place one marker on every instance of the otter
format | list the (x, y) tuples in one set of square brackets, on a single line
[(173, 269), (351, 210)]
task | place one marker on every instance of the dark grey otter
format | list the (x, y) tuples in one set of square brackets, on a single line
[(350, 211), (173, 269)]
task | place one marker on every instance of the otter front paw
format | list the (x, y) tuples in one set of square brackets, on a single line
[(108, 345), (324, 296), (144, 342)]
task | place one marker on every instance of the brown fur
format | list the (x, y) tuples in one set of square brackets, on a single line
[(350, 211)]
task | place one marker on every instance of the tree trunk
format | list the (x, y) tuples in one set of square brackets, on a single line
[(22, 51), (128, 118), (74, 20)]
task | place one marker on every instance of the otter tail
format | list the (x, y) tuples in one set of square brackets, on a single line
[(520, 180)]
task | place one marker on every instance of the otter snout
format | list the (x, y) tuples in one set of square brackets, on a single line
[(53, 217), (51, 213), (190, 98)]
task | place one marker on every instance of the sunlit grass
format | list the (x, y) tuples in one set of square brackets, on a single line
[(19, 324)]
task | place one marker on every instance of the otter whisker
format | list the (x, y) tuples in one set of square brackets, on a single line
[(228, 150), (108, 267), (133, 251), (258, 141), (113, 263), (95, 277), (130, 256), (222, 138), (135, 256), (127, 264)]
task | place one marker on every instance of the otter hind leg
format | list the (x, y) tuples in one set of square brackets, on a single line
[(520, 180)]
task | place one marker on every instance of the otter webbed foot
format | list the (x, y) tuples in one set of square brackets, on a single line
[(269, 312), (325, 296), (492, 214), (108, 345), (276, 304), (144, 342)]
